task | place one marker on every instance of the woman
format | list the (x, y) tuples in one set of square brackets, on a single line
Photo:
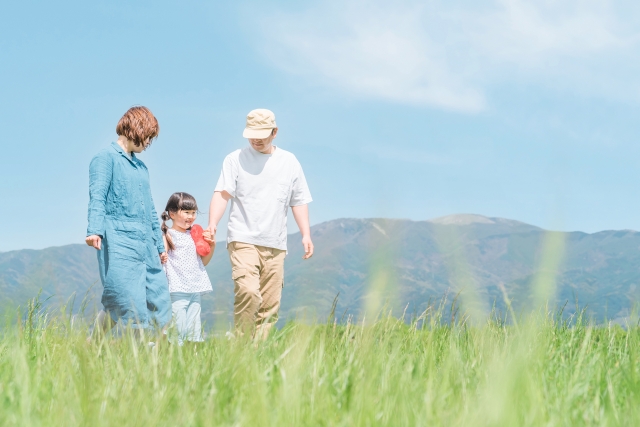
[(124, 228)]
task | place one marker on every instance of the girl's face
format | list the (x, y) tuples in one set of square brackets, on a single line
[(182, 220)]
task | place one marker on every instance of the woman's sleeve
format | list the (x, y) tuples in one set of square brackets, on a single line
[(155, 224), (100, 175)]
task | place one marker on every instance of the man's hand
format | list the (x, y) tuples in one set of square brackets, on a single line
[(164, 257), (301, 215), (94, 240), (307, 244), (217, 207)]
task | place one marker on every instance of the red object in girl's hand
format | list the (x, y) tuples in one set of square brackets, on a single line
[(202, 247)]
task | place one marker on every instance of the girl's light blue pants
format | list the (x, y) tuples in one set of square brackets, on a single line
[(186, 315)]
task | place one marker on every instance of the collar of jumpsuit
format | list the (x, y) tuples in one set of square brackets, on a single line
[(132, 158)]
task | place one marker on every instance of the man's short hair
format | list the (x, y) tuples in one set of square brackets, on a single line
[(138, 124)]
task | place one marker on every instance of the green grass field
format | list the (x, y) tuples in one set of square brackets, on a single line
[(539, 373)]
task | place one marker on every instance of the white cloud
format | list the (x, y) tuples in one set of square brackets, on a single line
[(446, 54), (529, 32)]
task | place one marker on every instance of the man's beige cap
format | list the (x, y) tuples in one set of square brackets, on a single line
[(260, 122)]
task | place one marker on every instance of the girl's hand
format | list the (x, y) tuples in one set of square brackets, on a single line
[(94, 240), (164, 257), (208, 238), (211, 241)]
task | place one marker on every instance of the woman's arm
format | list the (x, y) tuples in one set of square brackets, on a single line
[(100, 177), (155, 225)]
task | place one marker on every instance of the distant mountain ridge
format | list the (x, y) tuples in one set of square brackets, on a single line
[(468, 219), (398, 262)]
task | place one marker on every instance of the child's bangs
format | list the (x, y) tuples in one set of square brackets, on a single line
[(181, 202), (188, 204)]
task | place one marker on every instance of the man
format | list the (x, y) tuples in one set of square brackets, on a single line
[(262, 181)]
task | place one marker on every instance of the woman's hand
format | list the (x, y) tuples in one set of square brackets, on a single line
[(164, 257), (94, 240)]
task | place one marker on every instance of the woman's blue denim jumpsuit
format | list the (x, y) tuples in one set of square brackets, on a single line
[(121, 210)]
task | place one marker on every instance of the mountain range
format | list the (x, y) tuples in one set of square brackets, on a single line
[(401, 265)]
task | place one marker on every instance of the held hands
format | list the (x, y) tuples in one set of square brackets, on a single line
[(208, 240), (94, 240), (307, 244), (212, 229), (209, 237), (164, 257)]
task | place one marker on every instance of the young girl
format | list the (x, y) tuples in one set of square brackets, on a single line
[(186, 274)]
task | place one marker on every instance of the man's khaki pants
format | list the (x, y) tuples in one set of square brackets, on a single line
[(258, 274)]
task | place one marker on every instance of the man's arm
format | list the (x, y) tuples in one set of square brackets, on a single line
[(301, 215), (216, 209)]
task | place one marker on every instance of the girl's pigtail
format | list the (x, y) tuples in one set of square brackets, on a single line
[(165, 217)]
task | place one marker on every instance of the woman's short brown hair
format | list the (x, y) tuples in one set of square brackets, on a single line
[(137, 125)]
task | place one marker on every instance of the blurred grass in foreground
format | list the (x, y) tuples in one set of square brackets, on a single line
[(388, 372)]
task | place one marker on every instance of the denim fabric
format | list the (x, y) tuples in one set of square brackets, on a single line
[(121, 210), (186, 309)]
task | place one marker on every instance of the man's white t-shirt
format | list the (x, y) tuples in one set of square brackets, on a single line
[(262, 187)]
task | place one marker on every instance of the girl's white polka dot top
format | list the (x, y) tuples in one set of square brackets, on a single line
[(185, 271)]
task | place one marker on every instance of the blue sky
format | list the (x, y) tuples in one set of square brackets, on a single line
[(519, 109)]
